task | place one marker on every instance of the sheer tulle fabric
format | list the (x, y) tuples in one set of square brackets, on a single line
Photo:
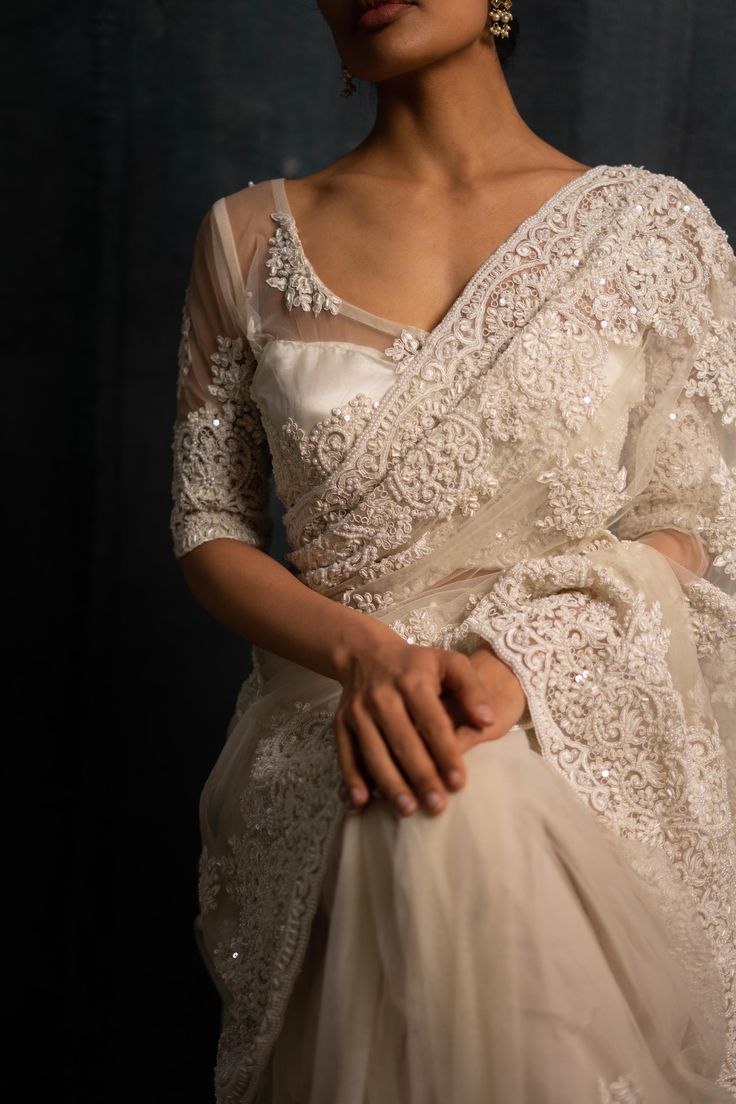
[(500, 952)]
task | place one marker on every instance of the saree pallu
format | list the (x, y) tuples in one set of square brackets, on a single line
[(496, 493)]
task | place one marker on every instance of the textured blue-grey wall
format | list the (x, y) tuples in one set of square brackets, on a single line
[(124, 121)]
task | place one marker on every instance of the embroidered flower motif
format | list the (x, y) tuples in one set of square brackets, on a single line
[(592, 207), (714, 371), (292, 273), (540, 340), (713, 620), (583, 492), (719, 531), (404, 346), (505, 414), (648, 255)]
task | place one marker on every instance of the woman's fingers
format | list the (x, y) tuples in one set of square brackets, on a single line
[(354, 781), (399, 760), (462, 678), (435, 724), (395, 734)]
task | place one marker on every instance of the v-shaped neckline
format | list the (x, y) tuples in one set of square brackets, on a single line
[(278, 189), (490, 269)]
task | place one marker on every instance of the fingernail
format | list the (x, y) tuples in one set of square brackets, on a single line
[(455, 778), (356, 795), (405, 803), (485, 713), (434, 800)]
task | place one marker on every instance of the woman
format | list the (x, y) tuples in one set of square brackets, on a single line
[(509, 501)]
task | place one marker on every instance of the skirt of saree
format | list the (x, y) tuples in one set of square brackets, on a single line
[(499, 953)]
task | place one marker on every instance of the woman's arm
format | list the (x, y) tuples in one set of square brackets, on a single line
[(252, 594), (221, 532), (684, 548), (391, 690)]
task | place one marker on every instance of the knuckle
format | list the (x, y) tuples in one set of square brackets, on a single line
[(406, 681), (378, 697), (399, 748)]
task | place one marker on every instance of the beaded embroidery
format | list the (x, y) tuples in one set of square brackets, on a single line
[(292, 273), (636, 252)]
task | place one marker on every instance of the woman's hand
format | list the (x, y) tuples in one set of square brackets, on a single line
[(506, 694), (391, 723)]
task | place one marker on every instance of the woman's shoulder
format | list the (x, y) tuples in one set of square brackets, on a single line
[(252, 201), (669, 208), (243, 224), (668, 194)]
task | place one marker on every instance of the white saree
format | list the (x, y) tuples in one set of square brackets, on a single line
[(566, 929)]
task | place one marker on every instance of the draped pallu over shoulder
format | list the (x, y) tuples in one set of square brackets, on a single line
[(579, 394)]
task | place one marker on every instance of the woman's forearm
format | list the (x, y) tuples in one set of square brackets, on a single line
[(683, 548), (252, 594), (256, 597)]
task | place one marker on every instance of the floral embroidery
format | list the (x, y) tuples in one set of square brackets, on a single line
[(713, 621), (295, 775), (292, 273), (404, 346), (220, 457), (302, 460), (211, 869), (719, 531), (591, 654), (541, 354), (583, 492), (430, 629), (714, 371), (473, 412), (690, 488)]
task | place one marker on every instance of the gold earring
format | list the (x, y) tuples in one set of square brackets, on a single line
[(499, 15), (348, 85)]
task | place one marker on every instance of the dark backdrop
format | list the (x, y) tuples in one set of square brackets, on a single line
[(124, 120)]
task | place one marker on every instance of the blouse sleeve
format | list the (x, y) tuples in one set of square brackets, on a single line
[(692, 487), (221, 461)]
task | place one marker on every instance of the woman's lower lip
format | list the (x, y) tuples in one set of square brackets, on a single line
[(386, 13)]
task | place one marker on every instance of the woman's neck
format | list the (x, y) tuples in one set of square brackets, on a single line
[(451, 122)]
